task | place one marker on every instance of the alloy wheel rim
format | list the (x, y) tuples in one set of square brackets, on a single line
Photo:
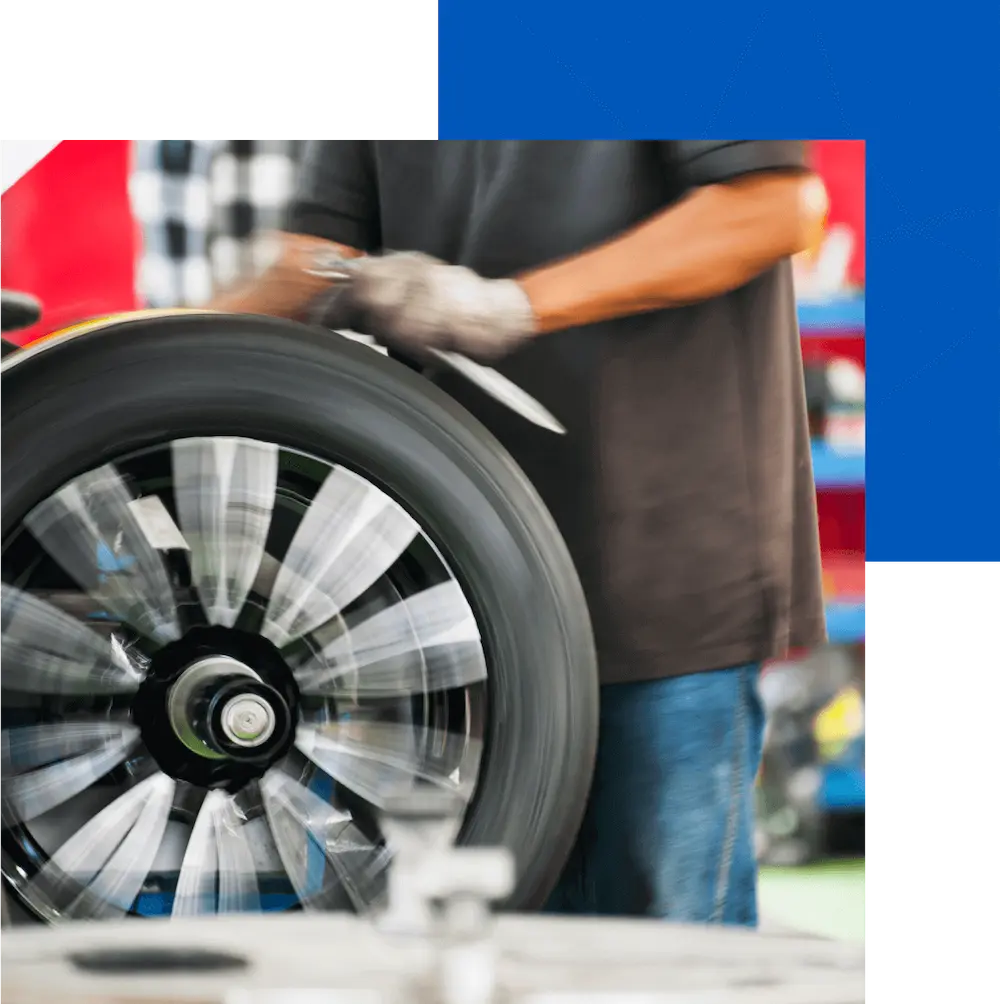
[(220, 657)]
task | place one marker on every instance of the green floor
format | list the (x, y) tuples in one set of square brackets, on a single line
[(827, 899)]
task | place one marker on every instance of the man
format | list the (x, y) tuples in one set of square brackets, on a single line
[(204, 207), (643, 293)]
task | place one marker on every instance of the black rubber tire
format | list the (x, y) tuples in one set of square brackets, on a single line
[(86, 398)]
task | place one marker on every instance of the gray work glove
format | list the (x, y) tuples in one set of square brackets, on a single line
[(416, 303)]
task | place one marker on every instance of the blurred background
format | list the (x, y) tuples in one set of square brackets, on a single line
[(812, 785), (104, 226)]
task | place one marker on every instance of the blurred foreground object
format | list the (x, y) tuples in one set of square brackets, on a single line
[(436, 943), (342, 960)]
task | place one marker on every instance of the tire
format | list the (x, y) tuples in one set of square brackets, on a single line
[(90, 396)]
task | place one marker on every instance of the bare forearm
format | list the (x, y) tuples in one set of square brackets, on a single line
[(286, 287), (713, 241)]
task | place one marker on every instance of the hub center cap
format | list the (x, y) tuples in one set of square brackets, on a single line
[(248, 720), (221, 709)]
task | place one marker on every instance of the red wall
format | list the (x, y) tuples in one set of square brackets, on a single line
[(68, 234), (841, 163)]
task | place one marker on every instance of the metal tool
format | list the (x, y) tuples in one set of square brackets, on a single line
[(428, 870), (443, 893), (339, 270)]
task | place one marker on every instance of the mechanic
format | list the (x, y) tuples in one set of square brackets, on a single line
[(642, 291)]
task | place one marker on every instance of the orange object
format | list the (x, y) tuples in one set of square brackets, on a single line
[(69, 238), (844, 575)]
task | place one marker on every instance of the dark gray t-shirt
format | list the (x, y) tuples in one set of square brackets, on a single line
[(684, 486)]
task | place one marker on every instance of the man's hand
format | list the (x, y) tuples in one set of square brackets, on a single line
[(287, 287), (417, 303), (714, 240)]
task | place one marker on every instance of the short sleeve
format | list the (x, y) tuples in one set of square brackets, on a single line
[(711, 162), (336, 196)]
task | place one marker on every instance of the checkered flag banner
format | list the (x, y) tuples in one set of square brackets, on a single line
[(204, 206)]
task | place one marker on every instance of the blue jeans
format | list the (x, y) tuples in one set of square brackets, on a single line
[(669, 827)]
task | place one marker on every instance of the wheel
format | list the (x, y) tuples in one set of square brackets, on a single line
[(257, 579)]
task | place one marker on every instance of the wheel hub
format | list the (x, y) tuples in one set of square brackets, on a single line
[(248, 721), (218, 707)]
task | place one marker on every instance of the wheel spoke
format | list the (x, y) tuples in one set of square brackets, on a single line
[(90, 849), (238, 890), (119, 882), (92, 522), (378, 759), (31, 746), (299, 818), (30, 795), (196, 884), (46, 651), (426, 643), (224, 490), (350, 536)]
